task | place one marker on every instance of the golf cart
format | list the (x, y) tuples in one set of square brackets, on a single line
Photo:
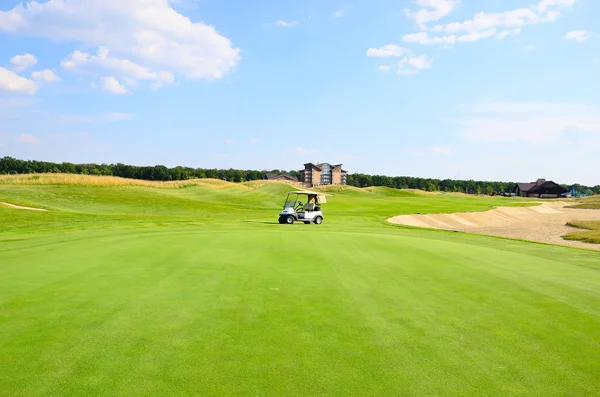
[(307, 212)]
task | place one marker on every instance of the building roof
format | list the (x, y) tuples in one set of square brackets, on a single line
[(300, 191), (526, 186), (319, 167), (544, 187), (540, 186), (314, 166)]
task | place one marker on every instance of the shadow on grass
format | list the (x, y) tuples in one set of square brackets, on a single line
[(263, 222)]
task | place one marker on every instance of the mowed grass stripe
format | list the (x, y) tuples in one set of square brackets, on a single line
[(468, 321), (121, 297)]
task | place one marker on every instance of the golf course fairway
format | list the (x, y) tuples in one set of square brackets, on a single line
[(197, 291)]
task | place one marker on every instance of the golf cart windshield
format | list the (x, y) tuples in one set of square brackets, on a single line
[(291, 201)]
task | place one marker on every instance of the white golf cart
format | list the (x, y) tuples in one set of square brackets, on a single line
[(307, 212)]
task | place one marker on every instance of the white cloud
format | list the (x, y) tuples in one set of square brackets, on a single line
[(578, 35), (229, 141), (22, 62), (254, 140), (185, 4), (12, 82), (544, 5), (28, 139), (503, 34), (286, 24), (412, 64), (128, 71), (475, 36), (149, 32), (529, 121), (486, 25), (390, 50), (112, 85), (441, 150), (45, 75), (420, 62), (432, 10), (423, 38), (507, 32), (408, 64), (338, 14)]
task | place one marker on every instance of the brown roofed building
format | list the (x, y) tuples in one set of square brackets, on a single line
[(323, 174), (540, 189)]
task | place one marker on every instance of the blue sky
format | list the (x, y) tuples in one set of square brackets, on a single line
[(489, 90)]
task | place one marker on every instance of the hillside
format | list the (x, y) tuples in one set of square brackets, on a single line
[(592, 202), (96, 200)]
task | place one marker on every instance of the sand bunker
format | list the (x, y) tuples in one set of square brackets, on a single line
[(543, 223), (20, 207)]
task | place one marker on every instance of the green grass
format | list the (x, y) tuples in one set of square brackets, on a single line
[(590, 234), (132, 290)]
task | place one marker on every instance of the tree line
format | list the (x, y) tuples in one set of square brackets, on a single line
[(451, 185), (9, 165)]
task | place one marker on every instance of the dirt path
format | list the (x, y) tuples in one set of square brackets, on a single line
[(20, 207), (544, 223)]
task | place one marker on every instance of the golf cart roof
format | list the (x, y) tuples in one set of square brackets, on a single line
[(308, 192), (321, 197)]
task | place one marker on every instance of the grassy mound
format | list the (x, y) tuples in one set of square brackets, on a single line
[(96, 180), (590, 234), (139, 290)]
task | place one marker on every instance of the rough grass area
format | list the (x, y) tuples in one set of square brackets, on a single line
[(96, 180), (592, 203), (591, 234), (135, 291)]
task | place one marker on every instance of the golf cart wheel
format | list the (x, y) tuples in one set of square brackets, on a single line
[(318, 220), (289, 220), (281, 220)]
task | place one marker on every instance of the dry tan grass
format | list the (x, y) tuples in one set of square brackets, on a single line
[(423, 191), (588, 203), (334, 188), (92, 180), (590, 232), (261, 183)]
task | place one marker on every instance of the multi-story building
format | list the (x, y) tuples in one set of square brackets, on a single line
[(323, 174)]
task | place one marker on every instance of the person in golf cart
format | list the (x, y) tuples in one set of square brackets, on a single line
[(311, 204)]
